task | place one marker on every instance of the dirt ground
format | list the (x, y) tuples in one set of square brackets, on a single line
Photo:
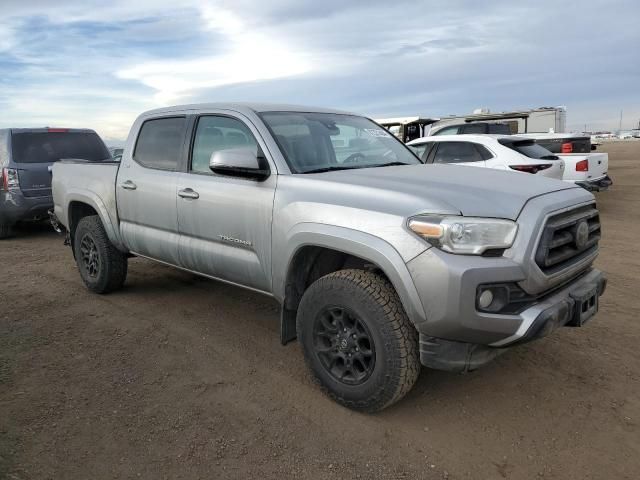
[(181, 377)]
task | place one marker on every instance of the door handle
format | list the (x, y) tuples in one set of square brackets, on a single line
[(128, 185), (188, 193)]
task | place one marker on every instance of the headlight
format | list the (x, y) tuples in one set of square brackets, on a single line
[(466, 235)]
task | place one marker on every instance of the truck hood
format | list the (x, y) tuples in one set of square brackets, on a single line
[(440, 189)]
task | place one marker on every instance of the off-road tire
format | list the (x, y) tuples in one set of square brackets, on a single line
[(5, 231), (111, 262), (374, 300)]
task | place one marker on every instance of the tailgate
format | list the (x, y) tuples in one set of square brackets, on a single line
[(598, 165), (35, 179)]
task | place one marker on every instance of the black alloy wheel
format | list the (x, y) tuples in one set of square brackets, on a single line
[(90, 257), (344, 345)]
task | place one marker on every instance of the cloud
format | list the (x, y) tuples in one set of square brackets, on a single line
[(98, 64), (248, 56)]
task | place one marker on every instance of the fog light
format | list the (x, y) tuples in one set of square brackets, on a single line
[(485, 299), (492, 298)]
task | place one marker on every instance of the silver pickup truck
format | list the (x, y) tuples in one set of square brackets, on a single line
[(380, 263)]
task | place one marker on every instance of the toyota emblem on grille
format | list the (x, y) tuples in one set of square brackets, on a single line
[(582, 234)]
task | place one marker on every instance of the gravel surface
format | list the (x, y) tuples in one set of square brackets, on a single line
[(181, 377)]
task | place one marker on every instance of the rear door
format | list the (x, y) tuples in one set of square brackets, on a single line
[(34, 151), (464, 153), (146, 190)]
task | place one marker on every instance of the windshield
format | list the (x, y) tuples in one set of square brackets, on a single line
[(317, 142)]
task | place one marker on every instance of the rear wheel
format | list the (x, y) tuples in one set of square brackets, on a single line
[(102, 266), (357, 340), (5, 230)]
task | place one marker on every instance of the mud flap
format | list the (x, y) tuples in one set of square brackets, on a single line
[(287, 325)]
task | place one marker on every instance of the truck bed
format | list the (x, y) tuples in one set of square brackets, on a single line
[(81, 179), (556, 142)]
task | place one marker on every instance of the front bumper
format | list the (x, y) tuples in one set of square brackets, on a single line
[(598, 185), (569, 306), (448, 284)]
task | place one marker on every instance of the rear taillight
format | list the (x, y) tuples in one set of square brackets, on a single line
[(530, 168), (57, 130), (567, 147), (10, 179), (582, 166)]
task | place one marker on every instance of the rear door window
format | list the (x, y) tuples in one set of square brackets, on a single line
[(448, 131), (474, 128), (49, 147), (501, 128), (457, 152), (484, 151), (160, 143)]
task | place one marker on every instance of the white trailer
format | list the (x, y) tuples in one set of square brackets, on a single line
[(537, 120)]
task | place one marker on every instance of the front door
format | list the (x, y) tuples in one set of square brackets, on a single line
[(146, 190), (225, 222)]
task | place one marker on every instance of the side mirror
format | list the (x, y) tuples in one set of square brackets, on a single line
[(240, 162)]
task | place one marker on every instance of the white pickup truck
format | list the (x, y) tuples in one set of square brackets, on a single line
[(589, 170)]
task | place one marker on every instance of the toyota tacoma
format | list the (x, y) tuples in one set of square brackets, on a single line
[(381, 264)]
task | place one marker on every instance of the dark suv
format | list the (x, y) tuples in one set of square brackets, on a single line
[(25, 157), (473, 128)]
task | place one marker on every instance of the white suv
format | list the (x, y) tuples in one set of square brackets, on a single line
[(502, 152)]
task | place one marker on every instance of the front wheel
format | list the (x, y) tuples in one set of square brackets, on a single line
[(357, 340), (102, 266)]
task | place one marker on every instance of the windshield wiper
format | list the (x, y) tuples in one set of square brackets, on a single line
[(354, 167), (330, 169), (390, 164), (549, 157)]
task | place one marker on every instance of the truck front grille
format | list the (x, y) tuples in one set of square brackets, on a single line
[(567, 238)]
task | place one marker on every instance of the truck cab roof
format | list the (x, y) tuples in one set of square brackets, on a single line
[(243, 107)]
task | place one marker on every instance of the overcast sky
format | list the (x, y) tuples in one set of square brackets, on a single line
[(99, 64)]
